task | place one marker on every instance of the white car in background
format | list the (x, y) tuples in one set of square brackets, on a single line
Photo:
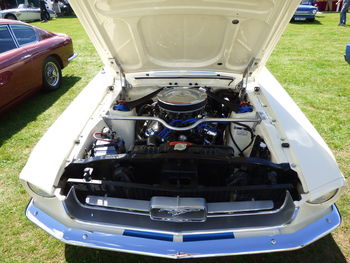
[(185, 145), (25, 13)]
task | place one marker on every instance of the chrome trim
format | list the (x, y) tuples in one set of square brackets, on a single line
[(72, 195), (28, 26), (179, 249), (26, 56), (136, 220), (12, 35), (73, 56), (165, 124), (118, 203), (78, 180), (230, 208), (213, 209)]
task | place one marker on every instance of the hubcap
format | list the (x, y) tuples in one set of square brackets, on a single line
[(52, 74)]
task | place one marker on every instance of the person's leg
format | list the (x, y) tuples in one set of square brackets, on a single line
[(345, 7), (342, 14), (43, 15)]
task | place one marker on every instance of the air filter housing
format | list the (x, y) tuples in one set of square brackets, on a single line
[(182, 100)]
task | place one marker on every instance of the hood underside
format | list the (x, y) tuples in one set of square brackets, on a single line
[(158, 35)]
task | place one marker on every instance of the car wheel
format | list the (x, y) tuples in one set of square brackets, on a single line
[(52, 74), (11, 17)]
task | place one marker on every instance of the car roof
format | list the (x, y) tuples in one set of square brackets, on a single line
[(8, 21)]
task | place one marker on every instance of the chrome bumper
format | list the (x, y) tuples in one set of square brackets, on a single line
[(73, 56), (194, 246)]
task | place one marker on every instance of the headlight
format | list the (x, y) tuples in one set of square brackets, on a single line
[(38, 191), (324, 198), (314, 11)]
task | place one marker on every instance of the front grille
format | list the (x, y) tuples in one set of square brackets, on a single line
[(303, 13), (276, 192), (135, 214)]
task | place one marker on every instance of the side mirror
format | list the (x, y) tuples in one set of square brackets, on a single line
[(347, 53)]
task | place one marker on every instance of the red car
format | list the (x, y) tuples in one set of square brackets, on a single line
[(30, 58)]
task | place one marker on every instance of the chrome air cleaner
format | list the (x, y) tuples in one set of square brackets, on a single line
[(182, 99)]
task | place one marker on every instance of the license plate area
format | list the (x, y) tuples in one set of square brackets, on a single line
[(178, 209)]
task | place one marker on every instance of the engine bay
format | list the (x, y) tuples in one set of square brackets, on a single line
[(174, 115), (180, 141)]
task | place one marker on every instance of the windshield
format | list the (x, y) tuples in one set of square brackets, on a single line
[(22, 6)]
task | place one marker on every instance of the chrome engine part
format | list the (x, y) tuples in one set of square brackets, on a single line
[(191, 115), (182, 100), (182, 107)]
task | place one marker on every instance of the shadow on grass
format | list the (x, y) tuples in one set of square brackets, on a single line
[(324, 250), (20, 115), (70, 16)]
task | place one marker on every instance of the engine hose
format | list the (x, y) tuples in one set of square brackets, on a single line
[(134, 103)]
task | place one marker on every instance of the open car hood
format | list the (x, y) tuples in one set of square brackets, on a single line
[(163, 35)]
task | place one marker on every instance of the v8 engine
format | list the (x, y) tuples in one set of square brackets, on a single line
[(182, 107), (187, 115)]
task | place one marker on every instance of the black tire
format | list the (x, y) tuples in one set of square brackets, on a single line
[(11, 17), (52, 74), (311, 19)]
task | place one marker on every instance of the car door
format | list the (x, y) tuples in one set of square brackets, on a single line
[(15, 79), (36, 14), (37, 48), (31, 14), (28, 39)]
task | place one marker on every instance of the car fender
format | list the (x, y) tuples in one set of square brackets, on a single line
[(311, 157), (59, 140), (4, 15)]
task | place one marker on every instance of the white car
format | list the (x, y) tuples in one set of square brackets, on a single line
[(184, 145), (25, 13)]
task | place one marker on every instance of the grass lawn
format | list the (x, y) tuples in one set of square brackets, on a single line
[(309, 63)]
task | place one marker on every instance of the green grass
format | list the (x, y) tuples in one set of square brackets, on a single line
[(308, 62)]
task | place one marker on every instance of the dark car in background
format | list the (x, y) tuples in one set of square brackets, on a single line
[(30, 58), (306, 11)]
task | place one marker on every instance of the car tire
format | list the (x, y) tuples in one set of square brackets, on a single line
[(311, 19), (11, 17), (52, 74)]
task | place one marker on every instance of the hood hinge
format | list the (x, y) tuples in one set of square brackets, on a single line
[(118, 71), (252, 65), (113, 64)]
